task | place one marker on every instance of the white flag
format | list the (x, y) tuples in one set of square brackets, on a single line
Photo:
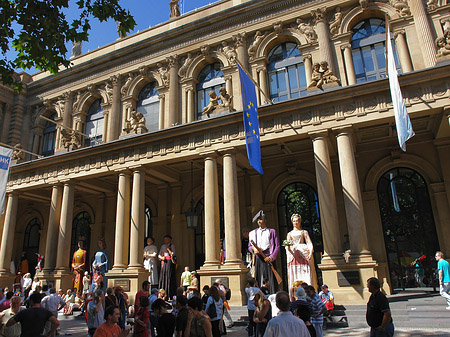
[(402, 121), (5, 160)]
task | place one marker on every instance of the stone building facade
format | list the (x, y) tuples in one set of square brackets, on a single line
[(329, 150)]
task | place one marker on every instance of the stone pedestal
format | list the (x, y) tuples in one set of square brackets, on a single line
[(7, 280), (234, 276), (129, 279), (339, 277), (62, 279)]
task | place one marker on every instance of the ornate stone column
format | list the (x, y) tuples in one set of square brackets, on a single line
[(443, 227), (65, 228), (173, 90), (352, 193), (228, 84), (122, 221), (263, 83), (114, 116), (52, 229), (241, 48), (323, 37), (402, 47), (212, 231), (9, 227), (327, 196), (231, 209), (349, 67), (190, 104), (162, 102), (307, 60), (137, 219), (6, 121), (424, 31), (68, 105)]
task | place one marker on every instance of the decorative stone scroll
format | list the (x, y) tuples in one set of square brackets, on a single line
[(163, 73), (401, 7), (307, 30), (257, 39), (335, 22), (322, 76), (214, 106), (127, 84), (186, 62), (364, 4), (432, 5), (229, 52), (278, 27)]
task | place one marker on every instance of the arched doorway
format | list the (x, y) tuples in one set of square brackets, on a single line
[(408, 227), (200, 232), (302, 199), (31, 244), (81, 231)]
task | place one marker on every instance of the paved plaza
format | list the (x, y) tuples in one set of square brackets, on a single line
[(76, 327)]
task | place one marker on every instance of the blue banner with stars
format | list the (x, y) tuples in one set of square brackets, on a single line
[(251, 124)]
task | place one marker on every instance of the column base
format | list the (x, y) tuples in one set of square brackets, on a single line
[(63, 279), (347, 281), (6, 279), (233, 275), (129, 279)]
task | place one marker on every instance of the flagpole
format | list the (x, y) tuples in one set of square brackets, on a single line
[(256, 84), (19, 149), (66, 127)]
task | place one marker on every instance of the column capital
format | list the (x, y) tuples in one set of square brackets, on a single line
[(209, 154), (307, 56), (346, 46), (399, 32), (228, 150), (123, 171), (115, 79), (315, 135), (343, 130)]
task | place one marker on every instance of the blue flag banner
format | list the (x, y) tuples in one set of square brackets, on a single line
[(5, 161), (402, 121), (251, 123)]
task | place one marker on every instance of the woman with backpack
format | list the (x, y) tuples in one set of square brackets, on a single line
[(214, 307)]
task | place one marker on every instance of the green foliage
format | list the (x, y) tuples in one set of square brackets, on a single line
[(38, 30)]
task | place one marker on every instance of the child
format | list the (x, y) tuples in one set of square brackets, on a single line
[(97, 280)]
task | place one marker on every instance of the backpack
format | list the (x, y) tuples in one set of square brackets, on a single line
[(228, 295)]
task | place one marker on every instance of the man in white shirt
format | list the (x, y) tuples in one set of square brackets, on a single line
[(267, 240), (16, 329), (285, 324), (53, 303)]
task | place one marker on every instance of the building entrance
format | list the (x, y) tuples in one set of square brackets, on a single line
[(408, 226)]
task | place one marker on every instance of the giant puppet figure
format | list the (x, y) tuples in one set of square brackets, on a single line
[(101, 262), (264, 244), (78, 266)]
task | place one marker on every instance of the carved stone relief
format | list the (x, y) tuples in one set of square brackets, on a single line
[(307, 30), (229, 52), (335, 22), (278, 27), (214, 106), (401, 6), (186, 62), (322, 75), (163, 74), (127, 84), (255, 44)]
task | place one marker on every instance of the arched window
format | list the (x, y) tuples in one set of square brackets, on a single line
[(31, 243), (81, 231), (94, 122), (300, 198), (209, 79), (286, 72), (368, 50), (148, 222), (148, 105), (408, 227), (49, 136)]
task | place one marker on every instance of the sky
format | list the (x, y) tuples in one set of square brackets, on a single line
[(146, 13)]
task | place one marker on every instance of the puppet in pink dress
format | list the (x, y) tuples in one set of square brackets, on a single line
[(299, 253)]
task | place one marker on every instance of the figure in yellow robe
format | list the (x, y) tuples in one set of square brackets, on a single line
[(78, 266)]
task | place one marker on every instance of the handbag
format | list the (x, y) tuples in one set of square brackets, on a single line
[(211, 310)]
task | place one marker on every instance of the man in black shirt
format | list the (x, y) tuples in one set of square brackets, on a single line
[(166, 321), (182, 316), (378, 314), (34, 318)]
